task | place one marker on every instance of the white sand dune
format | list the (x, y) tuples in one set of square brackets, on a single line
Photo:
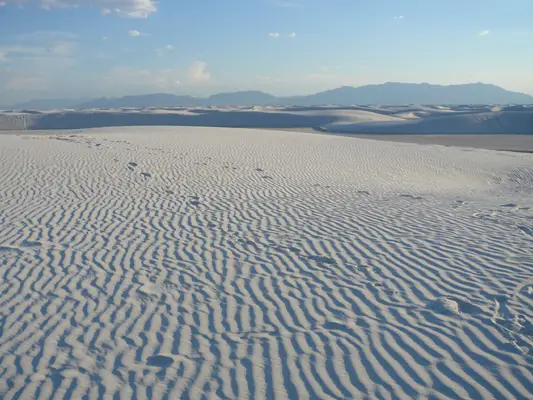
[(202, 263), (520, 143), (356, 119), (503, 122)]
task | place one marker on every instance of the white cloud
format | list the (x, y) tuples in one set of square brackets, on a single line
[(135, 80), (45, 36), (39, 49), (197, 73), (31, 71), (31, 82), (484, 33), (125, 8), (22, 50), (276, 35), (143, 79), (63, 48), (102, 56), (134, 33), (399, 17), (56, 49), (3, 3), (164, 50)]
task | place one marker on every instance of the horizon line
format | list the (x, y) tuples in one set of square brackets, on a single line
[(205, 96)]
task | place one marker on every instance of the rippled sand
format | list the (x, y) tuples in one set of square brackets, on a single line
[(227, 263)]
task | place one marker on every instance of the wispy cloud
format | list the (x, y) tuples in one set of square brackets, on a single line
[(276, 35), (45, 36), (143, 79), (39, 46), (198, 74), (124, 8), (57, 49), (484, 33), (147, 79), (397, 17), (134, 33), (25, 81), (164, 50)]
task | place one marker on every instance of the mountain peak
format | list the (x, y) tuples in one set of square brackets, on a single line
[(388, 93)]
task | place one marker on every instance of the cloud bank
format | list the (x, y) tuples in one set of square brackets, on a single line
[(124, 8)]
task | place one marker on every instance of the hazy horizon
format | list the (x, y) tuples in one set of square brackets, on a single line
[(208, 94), (112, 48)]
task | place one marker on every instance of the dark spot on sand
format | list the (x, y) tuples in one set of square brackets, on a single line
[(159, 361)]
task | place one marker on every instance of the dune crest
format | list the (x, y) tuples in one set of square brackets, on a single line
[(334, 119)]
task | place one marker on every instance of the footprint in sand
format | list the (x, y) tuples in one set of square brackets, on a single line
[(160, 361), (7, 249), (410, 196), (526, 291), (526, 229), (453, 306), (195, 201), (338, 326), (375, 285), (322, 259), (30, 243)]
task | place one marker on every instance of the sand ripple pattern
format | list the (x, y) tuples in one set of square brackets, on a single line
[(210, 263)]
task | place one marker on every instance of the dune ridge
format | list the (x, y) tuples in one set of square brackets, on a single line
[(175, 262), (354, 119)]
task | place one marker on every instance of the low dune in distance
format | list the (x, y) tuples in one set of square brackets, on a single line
[(356, 119), (188, 262)]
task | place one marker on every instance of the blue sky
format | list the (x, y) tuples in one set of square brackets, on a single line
[(75, 48)]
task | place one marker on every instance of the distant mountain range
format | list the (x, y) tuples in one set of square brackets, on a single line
[(389, 93)]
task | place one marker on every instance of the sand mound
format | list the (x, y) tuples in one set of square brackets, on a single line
[(503, 122), (226, 263), (409, 120)]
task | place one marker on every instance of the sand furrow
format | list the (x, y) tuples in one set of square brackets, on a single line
[(221, 263)]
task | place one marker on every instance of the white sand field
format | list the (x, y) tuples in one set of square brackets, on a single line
[(217, 263), (346, 120), (521, 143)]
